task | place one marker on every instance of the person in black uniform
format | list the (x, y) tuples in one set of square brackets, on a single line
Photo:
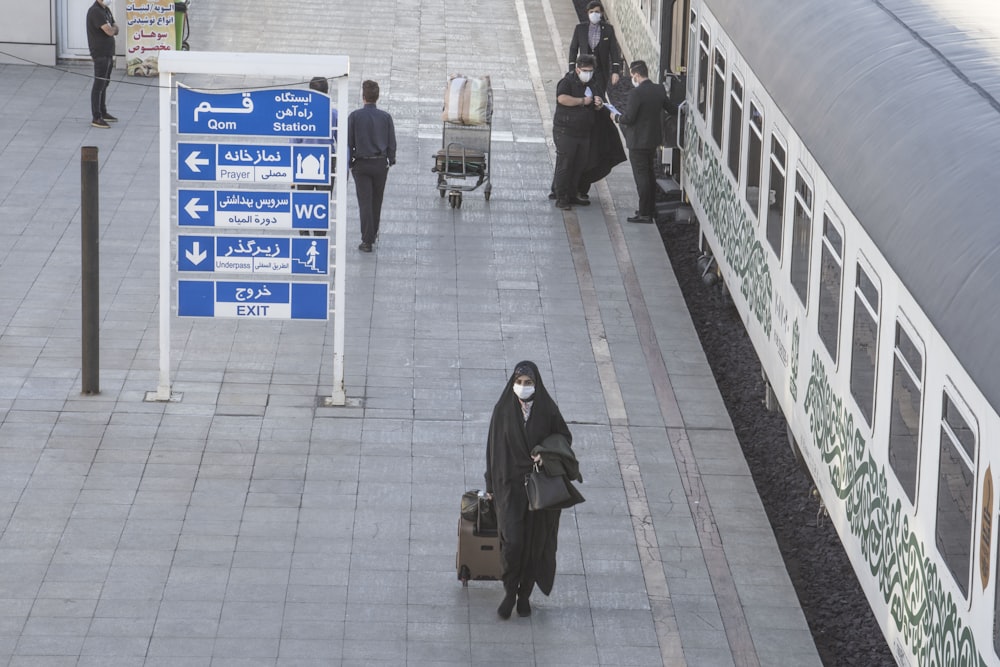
[(371, 141), (576, 106), (523, 417), (596, 37), (643, 128), (321, 85), (101, 31)]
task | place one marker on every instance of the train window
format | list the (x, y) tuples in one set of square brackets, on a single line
[(776, 197), (755, 147), (692, 53), (801, 237), (956, 492), (718, 96), (703, 67), (830, 276), (904, 422), (865, 347), (964, 435), (735, 126)]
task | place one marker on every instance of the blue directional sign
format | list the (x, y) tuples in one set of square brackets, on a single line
[(257, 210), (268, 255), (196, 161), (260, 113), (252, 300), (246, 163)]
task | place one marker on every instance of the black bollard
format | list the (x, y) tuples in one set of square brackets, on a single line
[(90, 271)]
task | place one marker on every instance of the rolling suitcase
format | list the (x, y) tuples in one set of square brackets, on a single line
[(478, 554)]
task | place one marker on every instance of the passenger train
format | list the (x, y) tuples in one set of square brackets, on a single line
[(841, 158)]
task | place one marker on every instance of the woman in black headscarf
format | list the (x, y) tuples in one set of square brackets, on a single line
[(596, 37), (523, 417)]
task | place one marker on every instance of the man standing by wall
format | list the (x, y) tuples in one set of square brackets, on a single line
[(371, 141), (101, 31), (643, 127)]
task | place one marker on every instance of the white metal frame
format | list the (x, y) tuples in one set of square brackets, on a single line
[(295, 67)]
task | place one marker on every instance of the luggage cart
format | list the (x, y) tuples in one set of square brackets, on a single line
[(463, 163)]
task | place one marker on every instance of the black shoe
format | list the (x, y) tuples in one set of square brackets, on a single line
[(108, 118), (365, 247), (583, 195), (563, 204), (507, 606), (99, 122), (523, 607), (552, 195), (641, 218), (580, 202)]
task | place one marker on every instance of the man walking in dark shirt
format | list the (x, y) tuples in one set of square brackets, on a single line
[(371, 141), (101, 31)]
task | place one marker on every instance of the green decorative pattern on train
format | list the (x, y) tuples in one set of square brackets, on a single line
[(793, 387), (728, 219), (925, 615), (632, 27)]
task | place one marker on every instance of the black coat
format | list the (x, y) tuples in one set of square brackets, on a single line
[(642, 120), (606, 53), (508, 460), (605, 150)]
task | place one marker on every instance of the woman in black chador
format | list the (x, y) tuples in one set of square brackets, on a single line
[(523, 417)]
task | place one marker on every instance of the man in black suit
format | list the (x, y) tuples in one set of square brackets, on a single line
[(643, 127)]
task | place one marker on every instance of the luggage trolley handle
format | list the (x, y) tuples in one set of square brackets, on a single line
[(447, 158), (486, 519)]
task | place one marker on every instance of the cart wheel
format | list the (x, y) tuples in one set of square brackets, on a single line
[(458, 200), (185, 46), (488, 192), (464, 575), (441, 192)]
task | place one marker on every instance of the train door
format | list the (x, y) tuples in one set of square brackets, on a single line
[(674, 16)]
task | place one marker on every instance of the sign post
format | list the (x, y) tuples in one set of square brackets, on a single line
[(235, 258)]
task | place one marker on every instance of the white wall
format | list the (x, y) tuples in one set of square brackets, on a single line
[(31, 34), (44, 30)]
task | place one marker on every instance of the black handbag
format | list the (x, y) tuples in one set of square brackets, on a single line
[(545, 492)]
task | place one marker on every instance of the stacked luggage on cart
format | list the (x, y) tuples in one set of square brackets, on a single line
[(463, 163)]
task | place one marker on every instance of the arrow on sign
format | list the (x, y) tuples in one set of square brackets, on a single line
[(192, 207), (196, 255), (193, 162)]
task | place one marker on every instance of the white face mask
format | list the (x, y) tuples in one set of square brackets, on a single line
[(595, 17), (524, 391), (586, 76)]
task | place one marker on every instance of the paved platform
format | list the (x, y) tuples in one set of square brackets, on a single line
[(247, 525)]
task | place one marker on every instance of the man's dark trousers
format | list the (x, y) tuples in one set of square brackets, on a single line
[(103, 66), (571, 159), (369, 182), (644, 173)]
